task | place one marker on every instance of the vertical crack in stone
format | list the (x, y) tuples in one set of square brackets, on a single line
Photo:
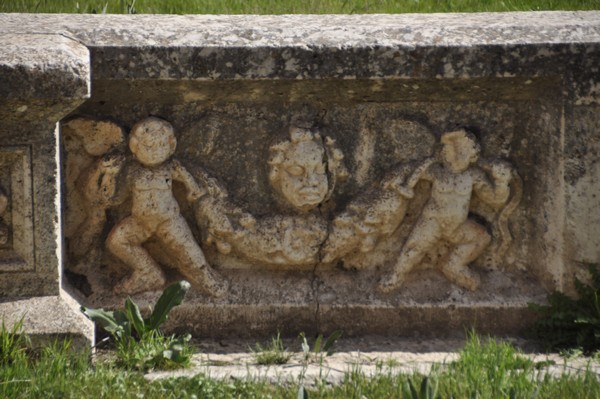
[(314, 283), (315, 290)]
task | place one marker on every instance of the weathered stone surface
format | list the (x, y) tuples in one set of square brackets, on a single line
[(49, 318), (316, 146), (43, 77)]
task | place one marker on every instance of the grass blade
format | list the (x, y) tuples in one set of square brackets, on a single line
[(328, 347), (317, 346)]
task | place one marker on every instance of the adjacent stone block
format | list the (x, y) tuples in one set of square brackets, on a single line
[(43, 77)]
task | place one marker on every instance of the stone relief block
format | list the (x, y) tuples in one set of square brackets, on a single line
[(17, 247), (426, 203), (251, 198)]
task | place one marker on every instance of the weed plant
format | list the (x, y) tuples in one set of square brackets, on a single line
[(272, 353), (139, 342), (485, 369), (568, 323), (13, 343), (320, 349), (288, 7), (493, 369)]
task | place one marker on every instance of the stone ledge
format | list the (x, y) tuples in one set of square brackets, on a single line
[(42, 78), (434, 320), (43, 66), (49, 318), (295, 47), (343, 31)]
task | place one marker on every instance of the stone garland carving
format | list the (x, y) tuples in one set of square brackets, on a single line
[(371, 217), (303, 170)]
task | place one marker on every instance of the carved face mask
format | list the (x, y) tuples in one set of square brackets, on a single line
[(303, 178)]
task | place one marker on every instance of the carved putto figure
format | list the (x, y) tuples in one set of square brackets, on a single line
[(445, 217), (135, 192), (94, 150), (155, 213)]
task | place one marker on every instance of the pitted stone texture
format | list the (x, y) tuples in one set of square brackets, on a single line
[(49, 318), (228, 83), (330, 46), (43, 77), (40, 66), (342, 31)]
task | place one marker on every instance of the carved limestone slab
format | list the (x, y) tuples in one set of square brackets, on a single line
[(379, 174), (127, 212)]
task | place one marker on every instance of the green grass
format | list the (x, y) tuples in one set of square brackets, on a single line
[(485, 369), (273, 352), (289, 7)]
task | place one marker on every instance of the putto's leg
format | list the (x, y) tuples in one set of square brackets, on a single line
[(125, 242), (423, 237), (177, 238), (470, 239), (88, 232)]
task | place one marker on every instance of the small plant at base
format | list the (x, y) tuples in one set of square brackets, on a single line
[(13, 343), (571, 323), (273, 353), (489, 369), (428, 390), (319, 350), (140, 343), (302, 392)]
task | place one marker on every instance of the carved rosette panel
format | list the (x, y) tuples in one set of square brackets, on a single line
[(16, 210)]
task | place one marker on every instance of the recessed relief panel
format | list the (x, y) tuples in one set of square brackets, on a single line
[(16, 216)]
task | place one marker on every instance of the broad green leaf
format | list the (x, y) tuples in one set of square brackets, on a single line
[(105, 319), (172, 296), (424, 394), (413, 390), (432, 388), (406, 392), (124, 323), (132, 311)]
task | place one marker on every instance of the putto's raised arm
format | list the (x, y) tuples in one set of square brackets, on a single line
[(494, 192)]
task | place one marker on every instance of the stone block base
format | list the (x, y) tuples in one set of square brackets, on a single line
[(48, 319)]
